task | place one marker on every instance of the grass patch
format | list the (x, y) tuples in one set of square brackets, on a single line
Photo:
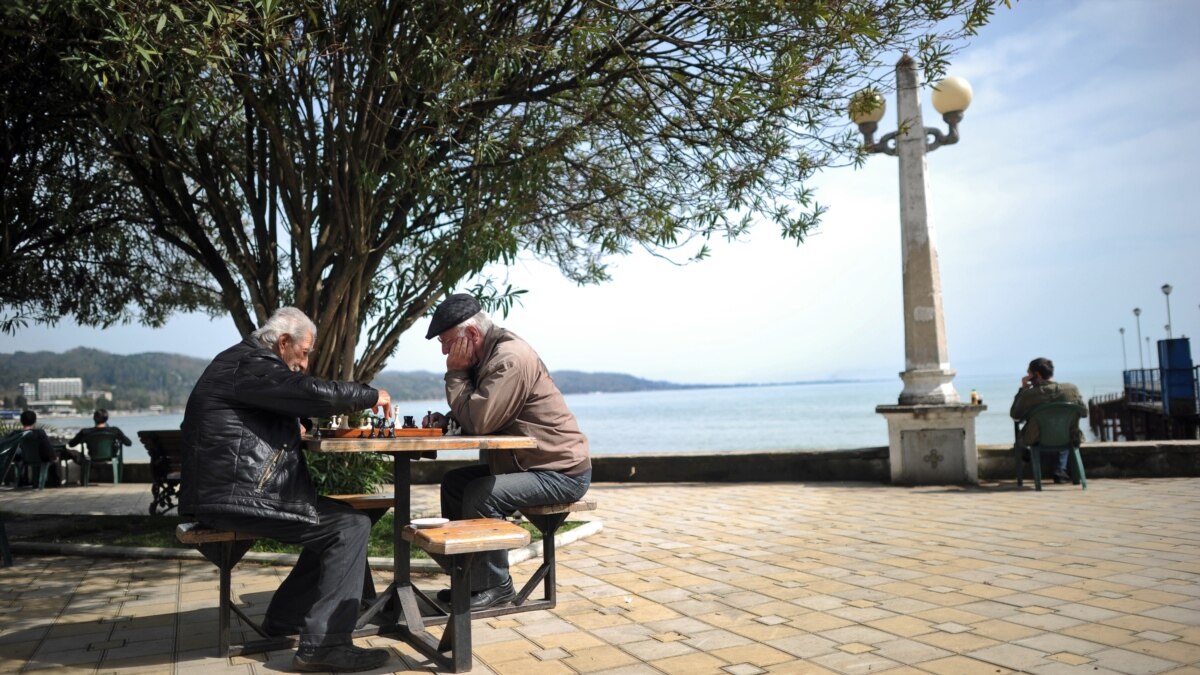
[(159, 532)]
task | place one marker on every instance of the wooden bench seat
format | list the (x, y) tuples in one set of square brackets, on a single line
[(468, 536), (367, 502), (547, 518), (225, 549), (461, 540), (585, 504)]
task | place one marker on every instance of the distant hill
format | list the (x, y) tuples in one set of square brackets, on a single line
[(142, 380), (576, 382), (136, 380)]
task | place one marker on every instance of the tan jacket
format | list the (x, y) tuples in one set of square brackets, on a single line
[(510, 393), (1045, 392)]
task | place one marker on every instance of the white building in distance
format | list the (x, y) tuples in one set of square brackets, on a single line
[(59, 387)]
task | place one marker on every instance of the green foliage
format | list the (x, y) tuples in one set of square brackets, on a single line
[(351, 473), (361, 159), (72, 228)]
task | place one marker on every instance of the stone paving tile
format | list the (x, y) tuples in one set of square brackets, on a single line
[(1131, 663), (947, 581)]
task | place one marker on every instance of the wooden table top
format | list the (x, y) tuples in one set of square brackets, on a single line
[(419, 443)]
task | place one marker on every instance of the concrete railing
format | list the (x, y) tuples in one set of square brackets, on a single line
[(1146, 459)]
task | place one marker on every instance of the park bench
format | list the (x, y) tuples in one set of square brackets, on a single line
[(547, 519), (225, 549), (460, 540), (166, 465)]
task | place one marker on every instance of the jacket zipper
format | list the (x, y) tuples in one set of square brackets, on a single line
[(270, 468)]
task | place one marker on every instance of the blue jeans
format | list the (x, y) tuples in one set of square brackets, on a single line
[(473, 492)]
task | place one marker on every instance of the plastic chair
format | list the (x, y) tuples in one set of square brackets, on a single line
[(1055, 422), (8, 451), (103, 446), (9, 447), (31, 456)]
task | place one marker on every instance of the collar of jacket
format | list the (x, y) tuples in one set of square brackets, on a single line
[(253, 343), (493, 338)]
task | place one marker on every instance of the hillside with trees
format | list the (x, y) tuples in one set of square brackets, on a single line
[(141, 380)]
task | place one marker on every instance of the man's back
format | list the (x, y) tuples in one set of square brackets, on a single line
[(1045, 392), (114, 432)]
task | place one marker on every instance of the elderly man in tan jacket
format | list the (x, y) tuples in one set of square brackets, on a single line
[(497, 384)]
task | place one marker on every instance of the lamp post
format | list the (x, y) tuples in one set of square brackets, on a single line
[(1166, 289), (931, 433), (927, 376), (1137, 314), (1124, 360)]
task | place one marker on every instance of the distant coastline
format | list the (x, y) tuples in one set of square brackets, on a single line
[(139, 381)]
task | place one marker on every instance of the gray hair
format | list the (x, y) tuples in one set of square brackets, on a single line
[(285, 321), (481, 322)]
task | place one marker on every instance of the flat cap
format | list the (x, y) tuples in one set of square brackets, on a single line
[(454, 310)]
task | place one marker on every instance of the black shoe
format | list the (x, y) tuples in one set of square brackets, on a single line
[(493, 596), (338, 659), (485, 598), (1060, 478)]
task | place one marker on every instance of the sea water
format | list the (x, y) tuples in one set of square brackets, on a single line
[(818, 416)]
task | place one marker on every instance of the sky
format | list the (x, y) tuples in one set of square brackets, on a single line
[(1070, 199)]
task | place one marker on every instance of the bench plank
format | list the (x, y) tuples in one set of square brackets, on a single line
[(195, 533), (468, 536), (585, 504), (367, 501)]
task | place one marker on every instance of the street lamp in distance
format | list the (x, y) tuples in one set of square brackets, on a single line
[(1166, 289), (1137, 313), (1124, 360)]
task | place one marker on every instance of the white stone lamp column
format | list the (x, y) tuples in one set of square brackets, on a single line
[(931, 433)]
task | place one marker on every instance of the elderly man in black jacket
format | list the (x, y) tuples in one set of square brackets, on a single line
[(243, 470)]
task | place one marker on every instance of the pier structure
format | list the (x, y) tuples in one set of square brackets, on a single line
[(1156, 403)]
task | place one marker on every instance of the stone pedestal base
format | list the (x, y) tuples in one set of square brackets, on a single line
[(932, 444), (928, 387)]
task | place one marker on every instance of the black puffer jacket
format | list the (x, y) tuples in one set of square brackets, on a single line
[(241, 435)]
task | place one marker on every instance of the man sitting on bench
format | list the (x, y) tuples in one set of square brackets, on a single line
[(496, 384), (244, 471)]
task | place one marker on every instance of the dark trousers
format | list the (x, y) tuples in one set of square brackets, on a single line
[(320, 598), (473, 492)]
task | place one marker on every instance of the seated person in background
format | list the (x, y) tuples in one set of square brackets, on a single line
[(244, 470), (100, 417), (45, 450), (496, 384), (1037, 388)]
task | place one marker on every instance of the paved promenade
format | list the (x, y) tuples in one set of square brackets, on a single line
[(733, 579)]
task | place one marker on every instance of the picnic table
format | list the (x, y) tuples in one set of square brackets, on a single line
[(410, 620)]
